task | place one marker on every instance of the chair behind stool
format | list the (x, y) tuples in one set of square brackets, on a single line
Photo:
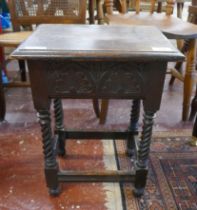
[(171, 26), (25, 14), (28, 12)]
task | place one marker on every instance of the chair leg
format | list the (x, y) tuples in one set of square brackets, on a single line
[(91, 11), (180, 6), (101, 10), (95, 103), (183, 47), (22, 70), (2, 99), (104, 110), (178, 67), (193, 107), (159, 7), (189, 78), (101, 113)]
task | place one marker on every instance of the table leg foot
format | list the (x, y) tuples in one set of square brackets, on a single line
[(140, 180), (138, 192), (134, 118), (54, 191)]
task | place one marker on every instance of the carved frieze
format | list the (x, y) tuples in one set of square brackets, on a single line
[(95, 79)]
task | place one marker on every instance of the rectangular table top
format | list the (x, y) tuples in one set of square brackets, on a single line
[(97, 42)]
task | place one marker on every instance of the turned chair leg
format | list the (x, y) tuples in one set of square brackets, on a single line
[(95, 103), (180, 6), (22, 68), (159, 7), (91, 11), (104, 110), (189, 78), (178, 67)]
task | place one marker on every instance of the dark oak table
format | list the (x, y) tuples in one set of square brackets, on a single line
[(106, 62)]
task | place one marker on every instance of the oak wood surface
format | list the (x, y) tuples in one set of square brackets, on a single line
[(85, 41)]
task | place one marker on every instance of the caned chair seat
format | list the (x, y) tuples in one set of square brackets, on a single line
[(172, 27), (13, 39)]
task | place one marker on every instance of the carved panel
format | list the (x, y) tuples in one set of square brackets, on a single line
[(99, 79)]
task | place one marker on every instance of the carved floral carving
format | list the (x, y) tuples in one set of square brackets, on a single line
[(99, 79)]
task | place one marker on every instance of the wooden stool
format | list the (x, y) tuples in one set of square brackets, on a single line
[(107, 62)]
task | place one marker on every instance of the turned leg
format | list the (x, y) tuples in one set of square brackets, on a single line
[(128, 4), (101, 10), (51, 166), (159, 7), (91, 11), (22, 70), (59, 126), (109, 6), (180, 6), (133, 126), (143, 154), (189, 78)]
